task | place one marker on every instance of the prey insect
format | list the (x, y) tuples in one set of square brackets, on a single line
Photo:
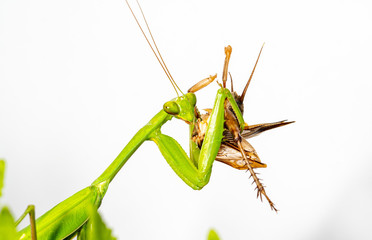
[(218, 135), (235, 150)]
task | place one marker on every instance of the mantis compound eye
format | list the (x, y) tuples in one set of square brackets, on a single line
[(171, 108), (192, 98)]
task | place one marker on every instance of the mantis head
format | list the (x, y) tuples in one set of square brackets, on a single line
[(182, 107)]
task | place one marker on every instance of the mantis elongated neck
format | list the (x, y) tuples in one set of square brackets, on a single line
[(142, 135)]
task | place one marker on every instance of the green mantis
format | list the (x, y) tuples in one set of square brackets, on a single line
[(212, 136)]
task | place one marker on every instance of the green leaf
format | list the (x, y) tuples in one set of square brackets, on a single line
[(213, 235), (8, 230), (2, 171), (95, 228)]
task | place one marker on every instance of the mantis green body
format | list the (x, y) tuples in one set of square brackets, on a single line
[(65, 219)]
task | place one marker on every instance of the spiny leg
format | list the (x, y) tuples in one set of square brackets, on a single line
[(260, 188), (232, 125), (30, 210)]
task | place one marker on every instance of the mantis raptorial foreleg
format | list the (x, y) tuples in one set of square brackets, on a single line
[(196, 175)]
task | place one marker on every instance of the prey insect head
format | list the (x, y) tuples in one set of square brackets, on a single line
[(182, 107)]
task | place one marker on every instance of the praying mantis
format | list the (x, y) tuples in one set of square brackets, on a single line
[(220, 135)]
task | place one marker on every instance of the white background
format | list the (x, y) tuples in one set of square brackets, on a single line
[(77, 80)]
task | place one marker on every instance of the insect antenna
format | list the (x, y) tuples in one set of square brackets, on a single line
[(153, 40), (160, 60), (232, 87), (250, 77)]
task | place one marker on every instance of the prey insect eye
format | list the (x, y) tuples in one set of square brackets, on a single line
[(192, 98), (171, 108)]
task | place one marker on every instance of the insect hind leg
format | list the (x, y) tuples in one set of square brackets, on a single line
[(202, 83), (260, 188)]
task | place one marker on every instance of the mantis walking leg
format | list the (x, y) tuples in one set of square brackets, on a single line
[(7, 223), (30, 210)]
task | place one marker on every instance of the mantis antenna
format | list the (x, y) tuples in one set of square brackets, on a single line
[(250, 78), (160, 60)]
